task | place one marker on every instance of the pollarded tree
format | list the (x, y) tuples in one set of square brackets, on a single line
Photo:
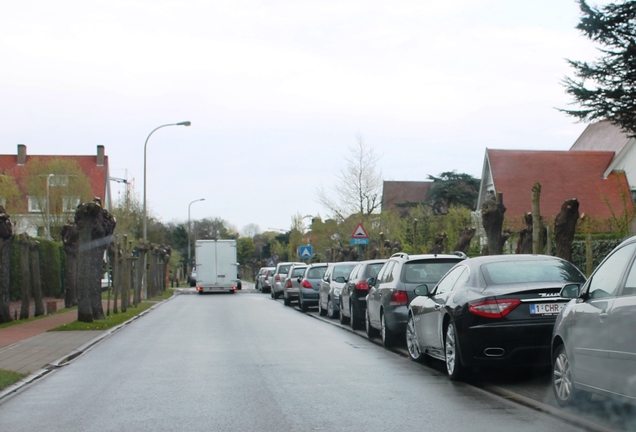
[(605, 89), (68, 186), (359, 187)]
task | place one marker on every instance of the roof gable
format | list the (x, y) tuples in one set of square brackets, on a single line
[(601, 136)]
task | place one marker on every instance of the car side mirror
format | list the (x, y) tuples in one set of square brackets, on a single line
[(298, 279), (421, 290), (371, 281), (340, 279), (570, 291)]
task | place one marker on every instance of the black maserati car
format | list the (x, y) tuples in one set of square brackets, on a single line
[(492, 310)]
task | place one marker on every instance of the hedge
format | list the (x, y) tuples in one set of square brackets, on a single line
[(600, 249), (52, 262)]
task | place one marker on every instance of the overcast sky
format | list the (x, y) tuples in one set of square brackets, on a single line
[(277, 91)]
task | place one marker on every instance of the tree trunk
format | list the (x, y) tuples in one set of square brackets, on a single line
[(142, 248), (565, 227), (36, 283), (70, 239), (23, 243), (6, 242), (95, 227), (537, 228), (440, 241), (492, 213), (524, 244), (116, 263), (465, 237), (125, 275)]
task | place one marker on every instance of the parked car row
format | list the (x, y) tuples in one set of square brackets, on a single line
[(502, 311)]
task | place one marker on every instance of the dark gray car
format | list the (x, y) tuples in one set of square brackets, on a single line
[(393, 289), (353, 298), (331, 284)]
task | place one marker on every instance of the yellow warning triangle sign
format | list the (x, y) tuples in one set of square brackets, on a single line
[(359, 232)]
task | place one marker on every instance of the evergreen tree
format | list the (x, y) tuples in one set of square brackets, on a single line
[(605, 89), (453, 189)]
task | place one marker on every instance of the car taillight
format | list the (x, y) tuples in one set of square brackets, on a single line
[(288, 283), (399, 298), (362, 285), (277, 277), (305, 284), (493, 308)]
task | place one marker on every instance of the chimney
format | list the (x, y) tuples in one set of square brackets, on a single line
[(100, 155), (21, 154)]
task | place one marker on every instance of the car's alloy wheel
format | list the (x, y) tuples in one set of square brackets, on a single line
[(412, 344), (388, 339), (371, 332), (331, 311), (453, 362), (562, 382), (343, 319)]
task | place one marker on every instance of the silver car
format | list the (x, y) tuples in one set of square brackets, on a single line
[(331, 285), (263, 279), (278, 284), (292, 283)]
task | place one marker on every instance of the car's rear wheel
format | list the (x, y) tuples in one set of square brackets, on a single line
[(454, 365), (412, 344), (331, 310), (371, 332), (303, 305), (321, 311), (354, 320), (286, 300), (388, 338), (562, 381)]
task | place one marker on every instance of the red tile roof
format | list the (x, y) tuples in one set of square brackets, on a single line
[(404, 192), (98, 175), (562, 175)]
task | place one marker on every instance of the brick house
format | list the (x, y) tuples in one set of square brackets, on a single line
[(581, 174), (28, 212)]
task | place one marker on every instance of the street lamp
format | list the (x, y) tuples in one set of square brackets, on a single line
[(190, 228), (48, 205), (184, 123)]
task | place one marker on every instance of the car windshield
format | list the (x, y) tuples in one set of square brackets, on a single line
[(316, 272), (429, 272), (511, 272)]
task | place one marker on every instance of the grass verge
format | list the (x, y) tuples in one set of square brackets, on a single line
[(114, 320), (8, 378)]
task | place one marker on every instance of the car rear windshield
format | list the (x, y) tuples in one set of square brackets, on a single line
[(342, 271), (373, 270), (316, 272), (511, 272), (284, 269), (298, 271), (429, 272)]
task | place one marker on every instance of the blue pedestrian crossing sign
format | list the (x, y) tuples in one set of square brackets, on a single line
[(305, 252)]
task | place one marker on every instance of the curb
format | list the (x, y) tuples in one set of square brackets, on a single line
[(66, 359)]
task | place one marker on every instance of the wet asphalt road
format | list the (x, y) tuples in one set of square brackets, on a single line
[(243, 362)]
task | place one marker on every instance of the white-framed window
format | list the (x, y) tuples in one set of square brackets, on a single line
[(70, 203), (59, 180), (37, 204)]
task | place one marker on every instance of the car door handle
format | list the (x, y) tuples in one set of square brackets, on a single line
[(438, 307), (602, 316)]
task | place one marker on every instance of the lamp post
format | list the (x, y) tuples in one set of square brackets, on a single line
[(190, 228), (184, 123), (48, 205)]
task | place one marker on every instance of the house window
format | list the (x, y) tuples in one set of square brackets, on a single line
[(37, 204), (70, 203), (634, 195), (58, 180)]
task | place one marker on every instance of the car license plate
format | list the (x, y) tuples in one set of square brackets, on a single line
[(546, 308)]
